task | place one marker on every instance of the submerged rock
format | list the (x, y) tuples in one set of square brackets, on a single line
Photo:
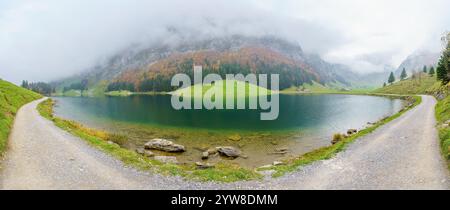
[(282, 149), (167, 159), (229, 152), (164, 145), (278, 153), (277, 163), (235, 137)]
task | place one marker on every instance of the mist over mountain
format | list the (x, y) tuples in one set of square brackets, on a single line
[(416, 61), (49, 39), (138, 63), (265, 54)]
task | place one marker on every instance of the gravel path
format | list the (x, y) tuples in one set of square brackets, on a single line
[(42, 156), (404, 154), (401, 155)]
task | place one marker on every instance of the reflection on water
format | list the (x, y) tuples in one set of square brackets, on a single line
[(305, 122)]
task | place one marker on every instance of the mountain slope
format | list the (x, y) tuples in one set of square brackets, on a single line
[(423, 84), (12, 98), (244, 60), (234, 54), (416, 61)]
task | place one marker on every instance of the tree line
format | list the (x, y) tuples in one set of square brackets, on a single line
[(39, 87), (289, 76), (81, 86), (403, 75), (116, 86)]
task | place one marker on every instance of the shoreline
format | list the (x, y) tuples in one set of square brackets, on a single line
[(328, 152), (286, 165)]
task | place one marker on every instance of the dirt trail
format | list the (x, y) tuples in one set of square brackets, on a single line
[(42, 156)]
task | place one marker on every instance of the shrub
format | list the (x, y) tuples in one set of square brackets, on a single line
[(337, 137), (117, 138)]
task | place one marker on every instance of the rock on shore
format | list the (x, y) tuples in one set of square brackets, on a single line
[(164, 145), (229, 152)]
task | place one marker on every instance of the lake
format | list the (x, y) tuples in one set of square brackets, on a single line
[(305, 122)]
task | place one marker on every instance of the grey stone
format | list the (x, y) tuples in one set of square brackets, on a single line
[(164, 145), (149, 153), (229, 152), (352, 131), (277, 163), (212, 151), (140, 151), (205, 155)]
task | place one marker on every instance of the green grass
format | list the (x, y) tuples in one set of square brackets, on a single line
[(411, 86), (72, 93), (330, 151), (125, 93), (308, 88), (97, 90), (442, 115), (317, 88), (12, 98), (121, 93), (227, 86), (99, 139)]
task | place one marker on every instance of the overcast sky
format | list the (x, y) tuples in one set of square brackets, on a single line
[(49, 39)]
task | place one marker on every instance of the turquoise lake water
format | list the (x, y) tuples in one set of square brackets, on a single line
[(305, 123)]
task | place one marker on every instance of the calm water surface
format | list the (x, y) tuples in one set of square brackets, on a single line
[(305, 122)]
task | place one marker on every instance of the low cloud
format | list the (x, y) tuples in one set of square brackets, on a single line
[(50, 39)]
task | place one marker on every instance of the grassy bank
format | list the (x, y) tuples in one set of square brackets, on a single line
[(101, 140), (122, 93), (442, 116), (125, 93), (12, 98), (420, 85), (227, 86), (328, 152)]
